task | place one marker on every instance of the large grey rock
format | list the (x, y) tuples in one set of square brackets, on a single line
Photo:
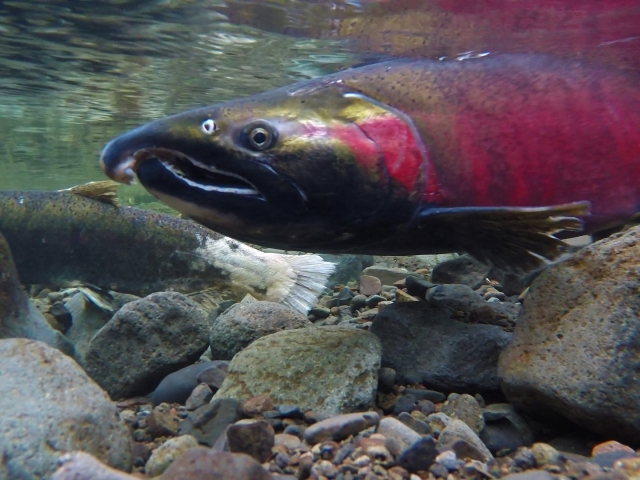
[(50, 406), (243, 323), (576, 346), (329, 369), (18, 317), (425, 345), (145, 341), (464, 270)]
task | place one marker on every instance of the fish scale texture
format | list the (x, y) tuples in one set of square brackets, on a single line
[(49, 406)]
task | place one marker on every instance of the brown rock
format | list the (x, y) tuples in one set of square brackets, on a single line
[(213, 377), (161, 423), (577, 336), (201, 463), (255, 439), (82, 466), (340, 427), (370, 285), (610, 446), (257, 405)]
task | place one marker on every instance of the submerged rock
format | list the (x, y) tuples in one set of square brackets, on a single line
[(178, 386), (241, 324), (50, 406), (86, 320), (166, 453), (575, 350), (146, 340), (329, 369), (347, 267), (425, 345), (199, 463), (18, 317), (464, 270)]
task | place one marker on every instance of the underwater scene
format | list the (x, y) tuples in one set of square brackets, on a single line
[(315, 239)]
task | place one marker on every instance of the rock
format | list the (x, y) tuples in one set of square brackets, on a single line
[(424, 345), (501, 414), (177, 386), (577, 337), (386, 275), (358, 302), (214, 377), (457, 429), (166, 453), (200, 396), (280, 365), (610, 446), (464, 270), (82, 466), (464, 407), (340, 427), (414, 424), (291, 442), (86, 320), (437, 422), (289, 411), (370, 285), (61, 314), (49, 406), (161, 423), (209, 422), (146, 340), (255, 439), (386, 379), (257, 405), (545, 454), (348, 267), (419, 456), (18, 317), (395, 429), (404, 403), (530, 475), (423, 394), (199, 463), (320, 313), (241, 324), (418, 286), (501, 436)]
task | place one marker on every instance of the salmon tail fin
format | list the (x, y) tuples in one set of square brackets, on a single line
[(103, 191), (311, 275), (512, 239)]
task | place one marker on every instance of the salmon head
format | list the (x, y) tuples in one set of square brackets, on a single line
[(313, 166)]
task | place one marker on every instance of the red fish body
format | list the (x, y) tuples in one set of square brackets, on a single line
[(406, 157)]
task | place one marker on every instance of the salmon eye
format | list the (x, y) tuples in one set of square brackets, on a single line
[(260, 135), (209, 126)]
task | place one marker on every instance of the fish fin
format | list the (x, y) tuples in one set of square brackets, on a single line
[(103, 191), (513, 239), (311, 275)]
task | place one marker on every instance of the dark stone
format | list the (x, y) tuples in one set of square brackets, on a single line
[(289, 411), (297, 430), (420, 456), (530, 475), (575, 349), (358, 302), (144, 342), (404, 403), (501, 436), (345, 296), (417, 286), (463, 270), (414, 424), (420, 394), (438, 471), (61, 314), (208, 422), (425, 345), (374, 300), (426, 407), (255, 439), (386, 379), (160, 422), (199, 463), (320, 312), (524, 459), (177, 386), (213, 376)]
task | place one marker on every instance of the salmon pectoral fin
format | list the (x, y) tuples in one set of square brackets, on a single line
[(512, 239)]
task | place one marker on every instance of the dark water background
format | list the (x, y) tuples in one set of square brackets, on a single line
[(75, 73)]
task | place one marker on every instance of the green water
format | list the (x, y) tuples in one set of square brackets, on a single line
[(73, 74)]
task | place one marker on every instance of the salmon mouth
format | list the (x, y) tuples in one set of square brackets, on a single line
[(196, 174)]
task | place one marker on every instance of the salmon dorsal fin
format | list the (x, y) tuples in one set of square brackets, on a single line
[(103, 191)]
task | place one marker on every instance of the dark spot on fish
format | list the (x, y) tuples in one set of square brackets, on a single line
[(233, 246)]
